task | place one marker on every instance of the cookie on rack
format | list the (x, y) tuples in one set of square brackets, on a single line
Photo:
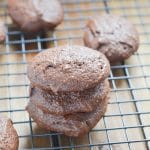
[(68, 69), (8, 136), (2, 31), (112, 35), (36, 15)]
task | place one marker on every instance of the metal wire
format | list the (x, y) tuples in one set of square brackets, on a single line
[(20, 47)]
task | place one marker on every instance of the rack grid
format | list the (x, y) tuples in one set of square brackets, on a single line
[(126, 125)]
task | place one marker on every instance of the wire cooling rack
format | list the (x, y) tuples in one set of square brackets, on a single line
[(126, 125)]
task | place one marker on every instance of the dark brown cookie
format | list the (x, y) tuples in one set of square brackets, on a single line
[(2, 31), (8, 136), (35, 15), (112, 35), (68, 68), (73, 125), (69, 103)]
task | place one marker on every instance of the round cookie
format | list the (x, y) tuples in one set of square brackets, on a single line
[(68, 68), (112, 35), (2, 31), (73, 125), (36, 15), (69, 103), (8, 136)]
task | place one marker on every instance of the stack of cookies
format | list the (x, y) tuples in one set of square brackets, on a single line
[(69, 89)]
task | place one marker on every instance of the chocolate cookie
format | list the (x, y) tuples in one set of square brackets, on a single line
[(73, 125), (8, 136), (35, 15), (68, 68), (112, 35), (69, 103), (2, 31)]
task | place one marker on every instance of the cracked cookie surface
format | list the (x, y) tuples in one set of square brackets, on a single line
[(112, 35), (68, 69)]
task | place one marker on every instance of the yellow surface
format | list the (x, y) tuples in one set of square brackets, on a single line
[(16, 97)]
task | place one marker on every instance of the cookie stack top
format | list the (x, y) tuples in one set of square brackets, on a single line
[(68, 69)]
